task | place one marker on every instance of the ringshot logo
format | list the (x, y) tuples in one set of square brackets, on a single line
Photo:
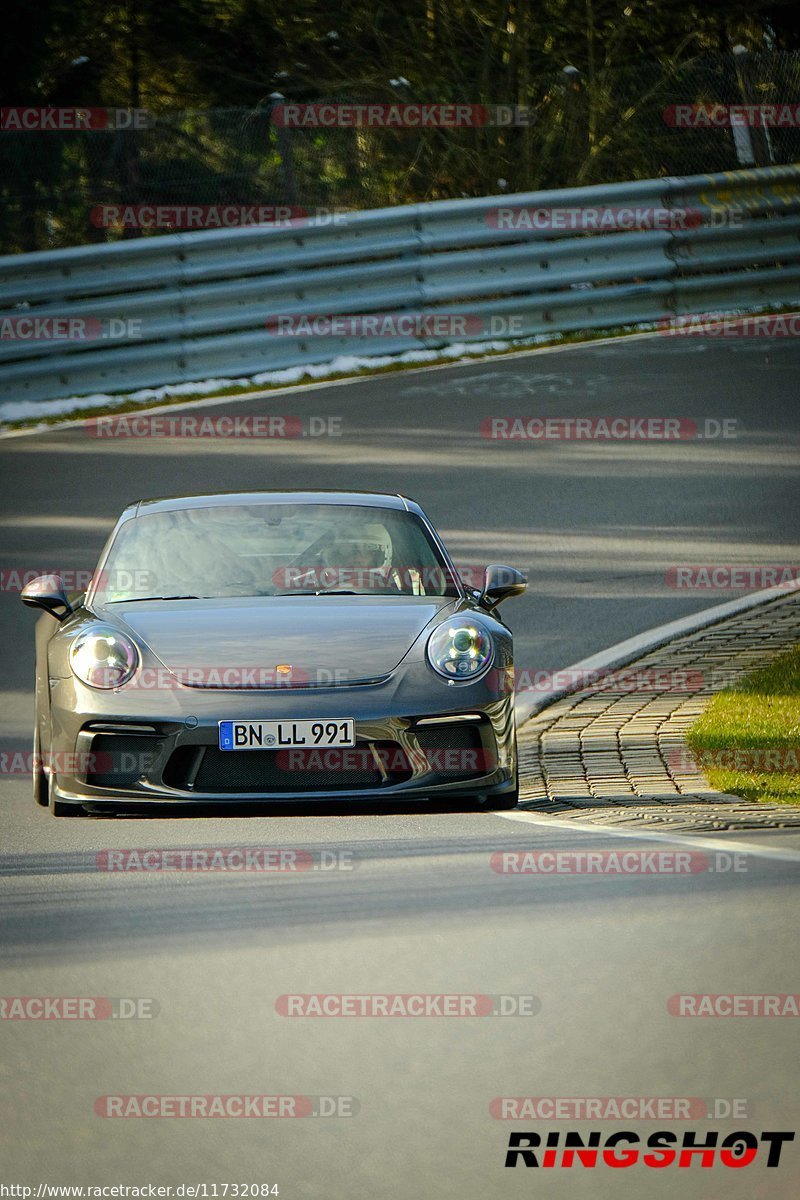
[(226, 1106), (627, 1148), (406, 1004)]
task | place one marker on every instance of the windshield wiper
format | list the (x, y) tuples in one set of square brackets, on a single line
[(141, 599), (323, 592)]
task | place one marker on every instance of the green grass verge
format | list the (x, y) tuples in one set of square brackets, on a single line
[(761, 714)]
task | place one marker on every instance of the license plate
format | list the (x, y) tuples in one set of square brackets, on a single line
[(288, 735)]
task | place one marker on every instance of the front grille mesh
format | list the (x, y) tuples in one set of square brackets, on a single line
[(451, 752), (118, 760), (455, 751), (267, 771)]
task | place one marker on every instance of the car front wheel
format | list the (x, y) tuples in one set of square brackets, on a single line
[(41, 784), (499, 803)]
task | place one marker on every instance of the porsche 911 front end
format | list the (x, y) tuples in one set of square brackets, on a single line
[(267, 647)]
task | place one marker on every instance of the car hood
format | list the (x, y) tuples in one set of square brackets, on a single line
[(239, 642)]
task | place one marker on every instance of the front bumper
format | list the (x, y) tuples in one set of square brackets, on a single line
[(412, 742)]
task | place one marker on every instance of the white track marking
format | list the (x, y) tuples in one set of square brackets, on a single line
[(702, 843)]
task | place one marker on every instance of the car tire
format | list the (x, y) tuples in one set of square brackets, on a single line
[(493, 803), (500, 803), (510, 801), (41, 784)]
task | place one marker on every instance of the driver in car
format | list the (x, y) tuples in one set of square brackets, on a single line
[(364, 563)]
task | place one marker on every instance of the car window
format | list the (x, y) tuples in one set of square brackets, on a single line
[(273, 549)]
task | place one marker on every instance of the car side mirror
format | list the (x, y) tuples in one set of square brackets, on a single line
[(47, 592), (499, 583)]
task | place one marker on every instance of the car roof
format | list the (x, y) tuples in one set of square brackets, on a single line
[(213, 499)]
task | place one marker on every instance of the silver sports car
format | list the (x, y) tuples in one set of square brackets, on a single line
[(267, 646)]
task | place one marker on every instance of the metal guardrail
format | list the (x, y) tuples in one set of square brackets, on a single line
[(204, 299)]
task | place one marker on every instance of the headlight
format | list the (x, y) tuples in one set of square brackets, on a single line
[(103, 657), (460, 649)]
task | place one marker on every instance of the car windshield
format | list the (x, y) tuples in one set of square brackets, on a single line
[(273, 549)]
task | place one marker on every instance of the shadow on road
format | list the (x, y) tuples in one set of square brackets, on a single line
[(89, 912)]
